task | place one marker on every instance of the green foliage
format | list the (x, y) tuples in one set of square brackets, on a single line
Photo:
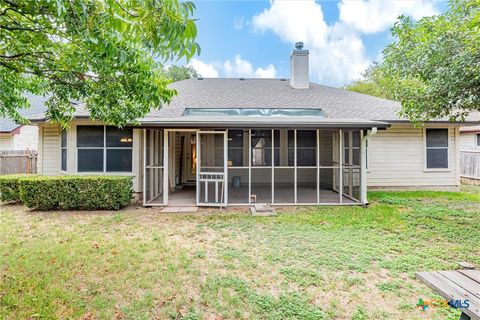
[(76, 192), (433, 66), (436, 63), (106, 53), (10, 187), (177, 73), (374, 83)]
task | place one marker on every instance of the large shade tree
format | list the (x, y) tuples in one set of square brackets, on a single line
[(106, 53), (433, 66)]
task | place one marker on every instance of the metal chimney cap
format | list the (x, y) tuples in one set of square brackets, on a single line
[(299, 45)]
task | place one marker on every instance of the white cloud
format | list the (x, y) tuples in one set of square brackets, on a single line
[(294, 21), (206, 70), (238, 23), (243, 68), (370, 16), (337, 54), (238, 68), (268, 72)]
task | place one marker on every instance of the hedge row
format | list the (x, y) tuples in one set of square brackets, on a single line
[(72, 192), (10, 187)]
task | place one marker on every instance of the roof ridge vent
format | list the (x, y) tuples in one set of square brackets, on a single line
[(241, 78), (199, 78), (283, 79)]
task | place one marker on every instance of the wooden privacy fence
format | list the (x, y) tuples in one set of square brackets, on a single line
[(18, 161), (470, 164)]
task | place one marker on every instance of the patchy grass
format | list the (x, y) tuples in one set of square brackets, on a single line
[(305, 263)]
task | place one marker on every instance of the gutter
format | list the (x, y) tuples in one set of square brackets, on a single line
[(363, 162)]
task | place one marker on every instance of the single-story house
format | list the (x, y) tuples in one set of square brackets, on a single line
[(277, 141), (14, 136)]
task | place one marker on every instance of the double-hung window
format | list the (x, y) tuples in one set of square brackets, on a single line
[(436, 148), (63, 146), (104, 149)]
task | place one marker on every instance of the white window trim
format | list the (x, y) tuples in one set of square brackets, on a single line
[(66, 149), (424, 146), (104, 148)]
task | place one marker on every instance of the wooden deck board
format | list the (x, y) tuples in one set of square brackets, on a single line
[(463, 281), (472, 274), (446, 284)]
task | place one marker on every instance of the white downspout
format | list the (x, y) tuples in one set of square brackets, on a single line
[(363, 163)]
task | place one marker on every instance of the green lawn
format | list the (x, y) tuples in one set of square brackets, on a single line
[(306, 263)]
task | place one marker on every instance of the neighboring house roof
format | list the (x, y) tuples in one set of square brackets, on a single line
[(339, 105), (37, 105)]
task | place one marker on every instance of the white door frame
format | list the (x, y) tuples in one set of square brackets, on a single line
[(166, 174), (225, 168)]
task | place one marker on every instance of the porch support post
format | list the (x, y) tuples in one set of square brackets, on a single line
[(340, 182), (363, 165), (165, 167), (144, 195)]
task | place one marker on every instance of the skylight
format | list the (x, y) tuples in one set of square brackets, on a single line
[(254, 112)]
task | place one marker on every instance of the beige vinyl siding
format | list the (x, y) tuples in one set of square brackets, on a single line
[(468, 141), (49, 148), (26, 138), (396, 158), (5, 141)]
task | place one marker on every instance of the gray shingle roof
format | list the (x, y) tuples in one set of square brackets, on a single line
[(36, 107), (337, 104), (275, 93)]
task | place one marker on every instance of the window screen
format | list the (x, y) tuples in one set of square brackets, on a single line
[(437, 148), (90, 160), (478, 139), (90, 136), (119, 138), (104, 149)]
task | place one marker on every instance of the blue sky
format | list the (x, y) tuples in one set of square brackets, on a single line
[(255, 38)]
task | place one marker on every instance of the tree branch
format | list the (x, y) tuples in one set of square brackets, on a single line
[(125, 10)]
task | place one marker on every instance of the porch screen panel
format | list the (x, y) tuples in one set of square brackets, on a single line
[(261, 165), (284, 166), (238, 185), (262, 185), (351, 165), (211, 167), (306, 166), (306, 185), (329, 178), (154, 167), (238, 166), (329, 169)]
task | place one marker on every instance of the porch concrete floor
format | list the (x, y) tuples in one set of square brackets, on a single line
[(182, 198), (283, 195)]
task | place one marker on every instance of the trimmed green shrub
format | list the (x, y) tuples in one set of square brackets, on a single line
[(10, 187), (76, 192)]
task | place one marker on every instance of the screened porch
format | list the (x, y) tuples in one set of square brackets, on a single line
[(247, 166)]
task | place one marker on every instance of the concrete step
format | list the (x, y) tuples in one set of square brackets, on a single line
[(263, 210)]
